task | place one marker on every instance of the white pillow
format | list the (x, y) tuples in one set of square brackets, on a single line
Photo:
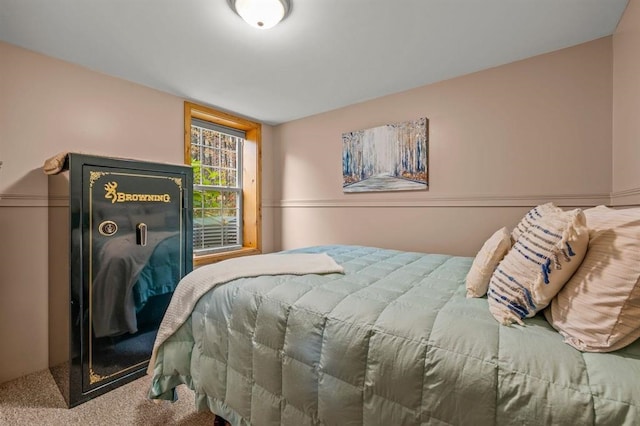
[(541, 261), (531, 218), (485, 262), (599, 308)]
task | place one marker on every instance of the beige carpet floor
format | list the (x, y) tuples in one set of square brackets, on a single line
[(36, 400)]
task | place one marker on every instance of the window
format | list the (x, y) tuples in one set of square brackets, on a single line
[(216, 153), (224, 152)]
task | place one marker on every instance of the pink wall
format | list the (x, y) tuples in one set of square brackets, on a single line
[(48, 106), (626, 107), (501, 140)]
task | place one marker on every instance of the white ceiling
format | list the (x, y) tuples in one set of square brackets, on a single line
[(326, 54)]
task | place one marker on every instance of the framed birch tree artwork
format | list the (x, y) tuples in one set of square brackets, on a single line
[(393, 157)]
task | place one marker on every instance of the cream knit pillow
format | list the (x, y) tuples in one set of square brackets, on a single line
[(531, 218), (541, 261), (599, 308), (485, 262)]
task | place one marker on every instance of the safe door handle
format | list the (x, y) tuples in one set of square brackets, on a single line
[(141, 234)]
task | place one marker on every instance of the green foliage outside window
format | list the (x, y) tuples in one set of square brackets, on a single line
[(209, 203), (206, 199)]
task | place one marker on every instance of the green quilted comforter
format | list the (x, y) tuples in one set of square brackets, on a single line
[(394, 341)]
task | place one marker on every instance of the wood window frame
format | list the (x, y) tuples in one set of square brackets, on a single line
[(251, 174)]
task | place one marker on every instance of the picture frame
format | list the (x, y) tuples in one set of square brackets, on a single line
[(391, 157)]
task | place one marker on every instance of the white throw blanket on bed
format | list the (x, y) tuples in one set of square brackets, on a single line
[(194, 285)]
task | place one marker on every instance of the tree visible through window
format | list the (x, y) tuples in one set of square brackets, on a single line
[(224, 152), (216, 153)]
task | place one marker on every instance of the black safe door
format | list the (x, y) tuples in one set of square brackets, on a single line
[(133, 256)]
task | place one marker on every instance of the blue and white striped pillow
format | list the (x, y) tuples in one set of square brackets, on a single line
[(547, 253), (531, 218)]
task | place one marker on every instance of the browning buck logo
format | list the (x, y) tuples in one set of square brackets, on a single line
[(111, 193)]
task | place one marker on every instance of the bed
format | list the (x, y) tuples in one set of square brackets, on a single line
[(391, 341)]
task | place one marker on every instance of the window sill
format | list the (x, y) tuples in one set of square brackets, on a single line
[(217, 257)]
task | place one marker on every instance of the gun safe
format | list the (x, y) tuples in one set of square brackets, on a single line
[(119, 242)]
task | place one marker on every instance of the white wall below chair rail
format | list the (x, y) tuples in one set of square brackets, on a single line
[(448, 230)]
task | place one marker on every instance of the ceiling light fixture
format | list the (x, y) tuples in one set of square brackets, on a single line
[(261, 14)]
